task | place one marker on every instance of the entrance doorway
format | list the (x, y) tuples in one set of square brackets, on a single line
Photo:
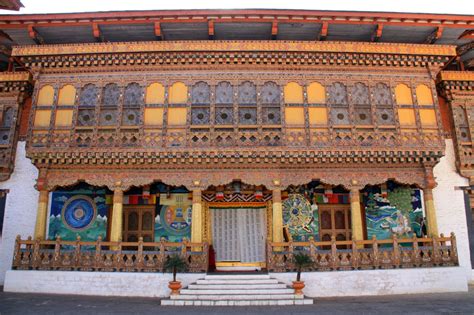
[(138, 222), (238, 235)]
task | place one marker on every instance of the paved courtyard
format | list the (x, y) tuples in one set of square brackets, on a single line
[(448, 303)]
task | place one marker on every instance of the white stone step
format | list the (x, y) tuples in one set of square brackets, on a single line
[(238, 286), (223, 296), (236, 281), (237, 291), (236, 302), (236, 277)]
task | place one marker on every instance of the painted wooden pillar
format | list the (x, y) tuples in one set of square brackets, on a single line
[(117, 216), (42, 215), (277, 216), (196, 219), (432, 223), (356, 216)]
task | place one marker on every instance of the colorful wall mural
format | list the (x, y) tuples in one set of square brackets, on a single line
[(393, 209), (81, 211), (173, 217), (300, 208)]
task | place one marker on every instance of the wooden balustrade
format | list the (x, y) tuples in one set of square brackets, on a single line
[(106, 256), (366, 254)]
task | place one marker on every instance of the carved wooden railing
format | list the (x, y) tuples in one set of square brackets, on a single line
[(106, 256), (367, 254)]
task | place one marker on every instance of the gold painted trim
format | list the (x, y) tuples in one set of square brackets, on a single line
[(238, 46), (456, 76), (15, 76)]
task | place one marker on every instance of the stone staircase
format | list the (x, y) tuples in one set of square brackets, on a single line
[(241, 289)]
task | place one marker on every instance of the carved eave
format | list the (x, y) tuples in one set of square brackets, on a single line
[(206, 54), (15, 82)]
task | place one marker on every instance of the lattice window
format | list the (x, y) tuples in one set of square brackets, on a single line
[(201, 93), (110, 101), (132, 99), (270, 93), (224, 93), (384, 104), (339, 105), (247, 93), (200, 116), (224, 115), (7, 123), (361, 100), (248, 116), (87, 104), (271, 115)]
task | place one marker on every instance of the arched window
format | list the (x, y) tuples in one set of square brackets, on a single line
[(87, 104), (67, 95), (247, 93), (270, 93), (383, 104), (224, 93), (316, 93), (155, 94), (109, 106), (133, 95), (201, 93), (46, 96), (403, 95), (361, 101), (339, 104), (293, 93), (424, 95), (7, 117), (178, 93)]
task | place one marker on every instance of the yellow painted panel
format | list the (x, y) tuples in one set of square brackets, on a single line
[(403, 95), (46, 95), (42, 118), (178, 93), (318, 116), (294, 115), (423, 95), (176, 116), (428, 117), (406, 117), (63, 118), (155, 94), (153, 116), (316, 93), (293, 93), (67, 95)]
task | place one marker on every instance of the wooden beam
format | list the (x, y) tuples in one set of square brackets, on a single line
[(158, 34), (324, 31), (274, 29), (468, 34), (96, 32), (377, 33), (434, 36), (210, 29), (34, 35)]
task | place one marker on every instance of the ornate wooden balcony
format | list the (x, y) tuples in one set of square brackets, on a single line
[(105, 256), (367, 254), (150, 256)]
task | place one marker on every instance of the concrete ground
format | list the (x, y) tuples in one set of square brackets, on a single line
[(446, 303)]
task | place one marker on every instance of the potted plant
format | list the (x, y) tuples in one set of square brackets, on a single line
[(175, 263), (302, 261)]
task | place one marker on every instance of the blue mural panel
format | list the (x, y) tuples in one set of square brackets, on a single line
[(80, 212), (173, 219)]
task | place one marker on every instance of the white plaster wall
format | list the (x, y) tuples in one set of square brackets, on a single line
[(380, 282), (95, 283), (450, 207), (20, 207)]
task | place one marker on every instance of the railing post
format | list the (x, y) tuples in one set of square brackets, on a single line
[(454, 249), (396, 251), (355, 255), (16, 252), (36, 254), (98, 249), (375, 252), (436, 255), (416, 251), (57, 252), (334, 256), (140, 259)]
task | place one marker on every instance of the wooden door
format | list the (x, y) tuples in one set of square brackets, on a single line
[(139, 221), (335, 220)]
